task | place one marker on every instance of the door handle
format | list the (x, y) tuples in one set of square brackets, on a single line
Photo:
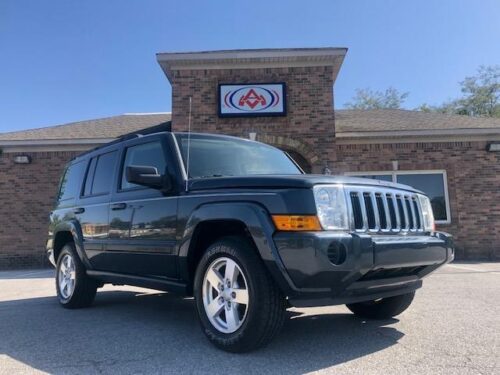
[(118, 206), (79, 210)]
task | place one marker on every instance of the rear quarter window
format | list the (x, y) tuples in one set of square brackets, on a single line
[(71, 181), (100, 174)]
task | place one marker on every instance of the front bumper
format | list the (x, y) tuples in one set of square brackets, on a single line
[(327, 268)]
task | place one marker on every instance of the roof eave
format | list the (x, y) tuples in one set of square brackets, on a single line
[(251, 59)]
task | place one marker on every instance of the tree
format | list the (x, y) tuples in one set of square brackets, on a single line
[(368, 99), (481, 95)]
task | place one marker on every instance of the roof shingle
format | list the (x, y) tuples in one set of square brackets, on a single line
[(346, 121), (103, 128)]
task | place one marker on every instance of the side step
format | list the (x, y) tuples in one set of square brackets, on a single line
[(140, 281)]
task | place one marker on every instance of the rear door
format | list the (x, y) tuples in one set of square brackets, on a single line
[(93, 206), (143, 220)]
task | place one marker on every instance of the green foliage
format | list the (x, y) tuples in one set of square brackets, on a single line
[(368, 99), (481, 95)]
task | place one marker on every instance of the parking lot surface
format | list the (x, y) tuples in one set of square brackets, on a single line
[(452, 327)]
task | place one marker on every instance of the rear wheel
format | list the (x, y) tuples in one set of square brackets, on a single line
[(239, 305), (383, 308), (74, 288)]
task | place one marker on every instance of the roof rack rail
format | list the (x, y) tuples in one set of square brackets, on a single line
[(163, 127)]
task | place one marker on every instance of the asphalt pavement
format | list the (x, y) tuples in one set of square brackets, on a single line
[(452, 327)]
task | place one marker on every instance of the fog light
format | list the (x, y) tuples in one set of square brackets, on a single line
[(337, 253)]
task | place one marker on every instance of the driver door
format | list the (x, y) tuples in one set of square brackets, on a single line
[(142, 231)]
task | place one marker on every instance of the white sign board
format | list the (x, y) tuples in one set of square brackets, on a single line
[(260, 99)]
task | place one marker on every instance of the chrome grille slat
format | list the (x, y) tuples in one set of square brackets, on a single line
[(383, 210)]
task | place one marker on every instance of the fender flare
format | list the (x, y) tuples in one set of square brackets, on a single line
[(74, 228), (256, 219)]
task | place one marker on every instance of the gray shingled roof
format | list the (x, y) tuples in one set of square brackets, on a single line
[(346, 121), (384, 120), (108, 127)]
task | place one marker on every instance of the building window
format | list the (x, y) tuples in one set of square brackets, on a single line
[(433, 183)]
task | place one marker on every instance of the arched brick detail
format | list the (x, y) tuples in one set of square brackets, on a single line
[(288, 143)]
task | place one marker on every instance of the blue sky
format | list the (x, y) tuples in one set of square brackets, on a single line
[(63, 61)]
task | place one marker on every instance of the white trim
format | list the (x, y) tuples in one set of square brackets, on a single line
[(252, 59), (394, 174), (285, 53)]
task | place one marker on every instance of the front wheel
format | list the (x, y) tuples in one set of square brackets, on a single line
[(239, 305), (383, 308)]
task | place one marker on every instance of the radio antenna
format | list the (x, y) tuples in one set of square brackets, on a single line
[(188, 145)]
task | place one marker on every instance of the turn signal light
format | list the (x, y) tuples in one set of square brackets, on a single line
[(296, 222)]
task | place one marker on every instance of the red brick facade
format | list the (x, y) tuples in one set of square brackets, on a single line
[(311, 132), (27, 193)]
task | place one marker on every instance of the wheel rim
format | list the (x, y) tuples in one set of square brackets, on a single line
[(67, 276), (225, 295)]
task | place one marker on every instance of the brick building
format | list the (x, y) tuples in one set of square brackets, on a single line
[(452, 158)]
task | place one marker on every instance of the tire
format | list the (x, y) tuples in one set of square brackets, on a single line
[(254, 323), (74, 288), (384, 308)]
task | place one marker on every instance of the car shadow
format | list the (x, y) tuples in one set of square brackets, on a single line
[(131, 332)]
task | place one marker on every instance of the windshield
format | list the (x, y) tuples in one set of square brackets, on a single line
[(213, 156)]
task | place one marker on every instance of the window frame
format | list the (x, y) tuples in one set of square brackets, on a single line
[(394, 175)]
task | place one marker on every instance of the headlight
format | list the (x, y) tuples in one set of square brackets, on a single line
[(331, 207), (425, 203)]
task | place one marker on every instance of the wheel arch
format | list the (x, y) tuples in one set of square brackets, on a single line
[(225, 219), (69, 232)]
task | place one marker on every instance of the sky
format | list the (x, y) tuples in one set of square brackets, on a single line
[(68, 60)]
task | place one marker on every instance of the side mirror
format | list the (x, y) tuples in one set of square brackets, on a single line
[(147, 176)]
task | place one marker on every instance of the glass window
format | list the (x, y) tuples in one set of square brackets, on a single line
[(148, 154), (431, 184), (103, 174), (212, 156), (90, 176), (71, 181)]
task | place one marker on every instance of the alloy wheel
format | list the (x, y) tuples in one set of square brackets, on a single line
[(225, 295), (67, 276)]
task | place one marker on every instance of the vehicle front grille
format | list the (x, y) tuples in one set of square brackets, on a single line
[(384, 210)]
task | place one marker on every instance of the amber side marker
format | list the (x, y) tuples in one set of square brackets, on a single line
[(296, 222)]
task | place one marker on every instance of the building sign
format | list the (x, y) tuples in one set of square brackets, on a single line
[(252, 100)]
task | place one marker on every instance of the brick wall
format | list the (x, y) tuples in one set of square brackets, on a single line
[(310, 87), (27, 193)]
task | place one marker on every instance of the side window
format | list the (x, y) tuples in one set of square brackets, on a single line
[(100, 174), (147, 154), (71, 181)]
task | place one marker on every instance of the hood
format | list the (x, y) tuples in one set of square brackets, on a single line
[(304, 181)]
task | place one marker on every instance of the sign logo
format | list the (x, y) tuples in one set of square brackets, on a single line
[(251, 100)]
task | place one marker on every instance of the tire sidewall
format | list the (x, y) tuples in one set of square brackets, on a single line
[(229, 249), (68, 249)]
